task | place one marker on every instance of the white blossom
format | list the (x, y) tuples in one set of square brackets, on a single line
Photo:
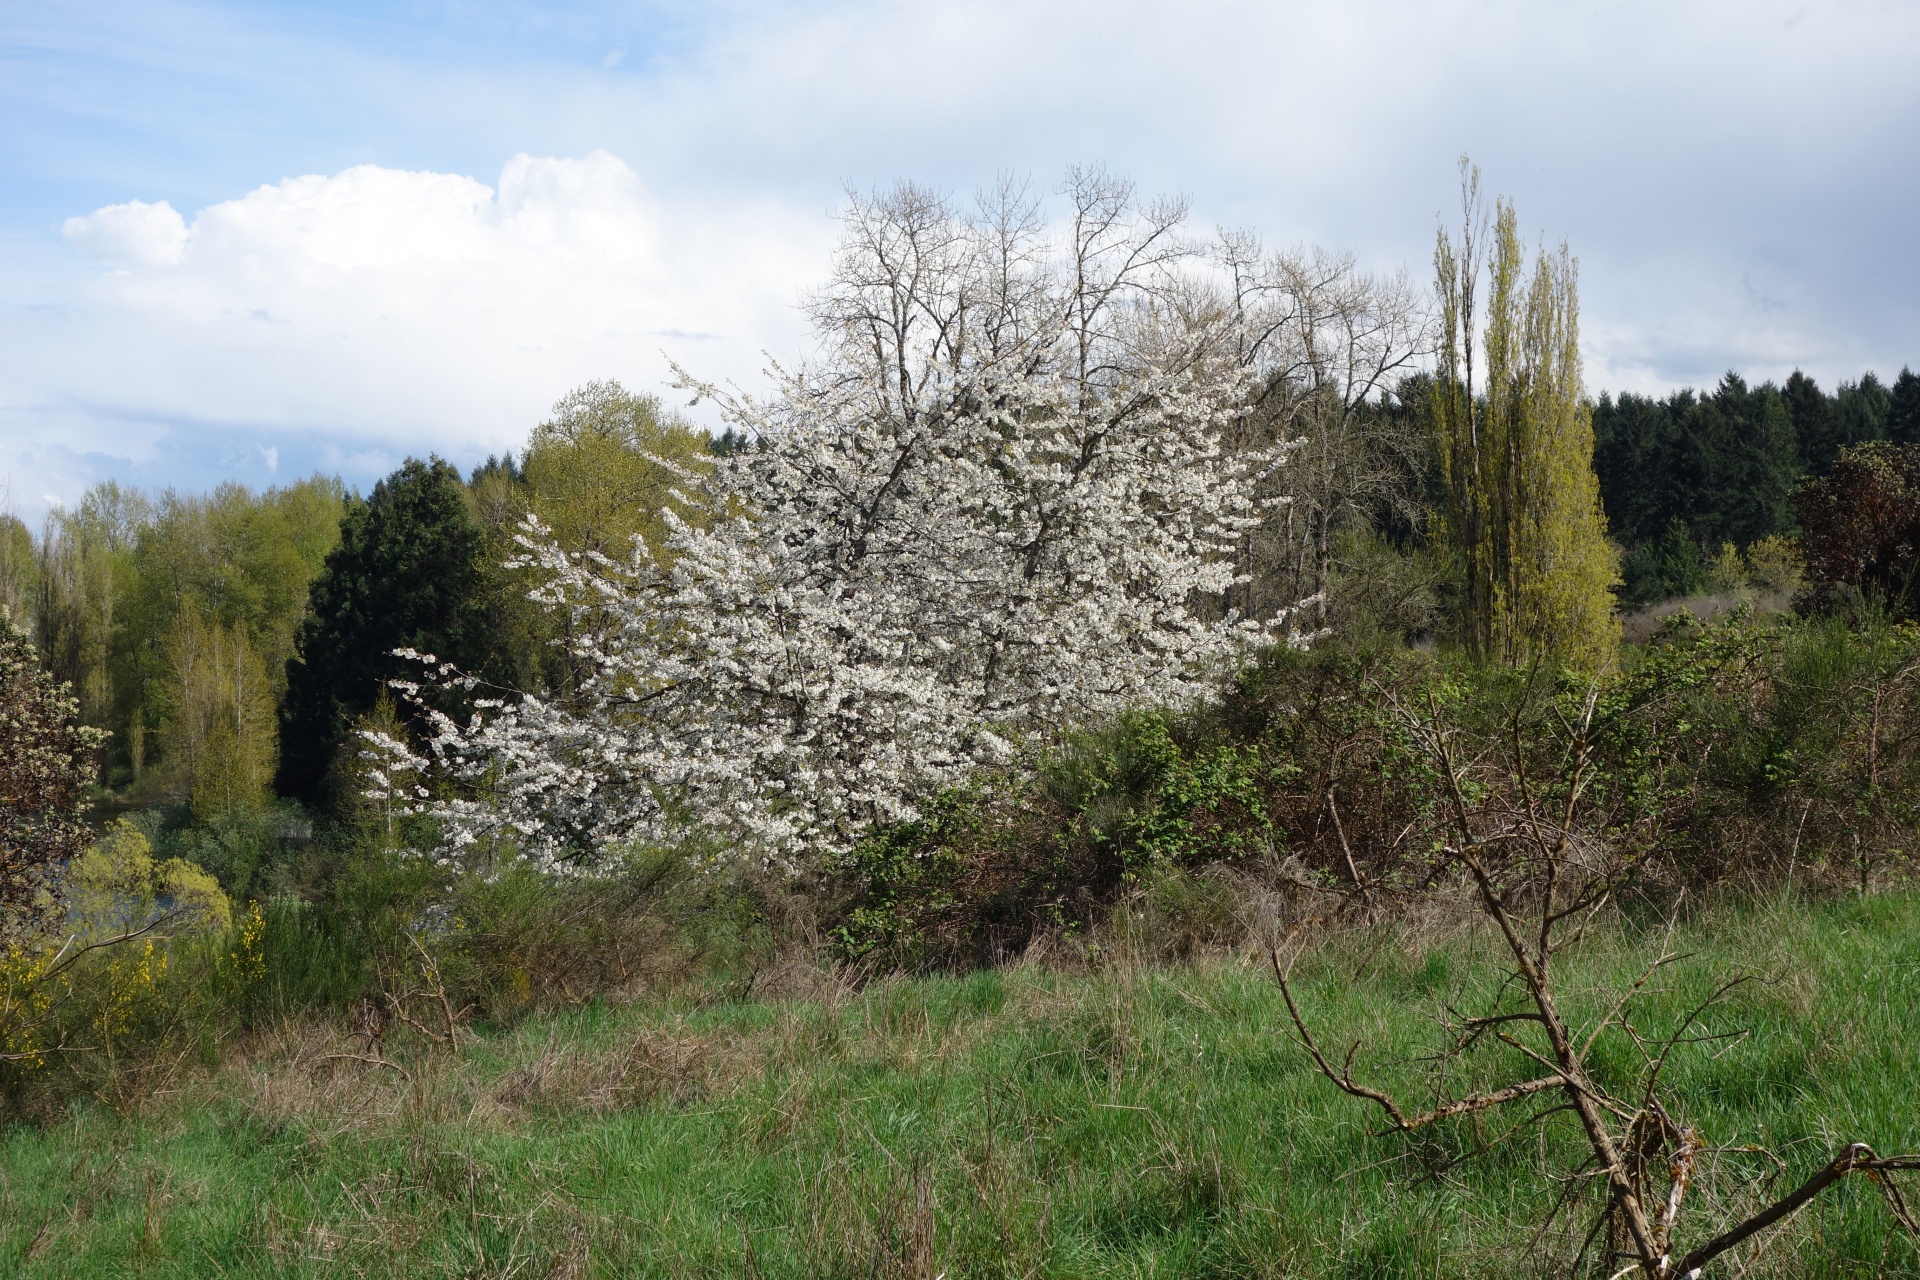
[(1001, 503)]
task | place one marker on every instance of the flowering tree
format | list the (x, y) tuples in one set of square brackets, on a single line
[(1000, 503), (46, 762)]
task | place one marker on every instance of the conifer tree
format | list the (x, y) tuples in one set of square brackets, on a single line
[(1903, 409), (406, 573), (1523, 503)]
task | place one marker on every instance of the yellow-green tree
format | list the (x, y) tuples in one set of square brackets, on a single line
[(600, 473), (1515, 447), (116, 887), (220, 715), (19, 574)]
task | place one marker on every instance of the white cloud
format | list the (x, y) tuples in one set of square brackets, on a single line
[(409, 311), (1732, 173), (135, 234)]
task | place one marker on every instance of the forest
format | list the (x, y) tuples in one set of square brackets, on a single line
[(1132, 703)]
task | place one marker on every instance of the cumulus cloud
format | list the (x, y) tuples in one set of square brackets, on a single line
[(403, 310), (135, 234), (1728, 171)]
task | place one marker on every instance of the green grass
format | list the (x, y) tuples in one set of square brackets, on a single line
[(1128, 1121)]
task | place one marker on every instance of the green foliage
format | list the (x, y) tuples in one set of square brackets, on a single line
[(1516, 459), (19, 570), (118, 577), (246, 847), (406, 573), (1050, 844), (116, 887), (86, 568), (1721, 465), (1857, 413), (1735, 749), (518, 942), (1903, 409), (1665, 567), (1776, 564), (118, 1016), (599, 473)]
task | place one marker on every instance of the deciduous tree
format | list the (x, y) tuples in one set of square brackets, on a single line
[(46, 764), (1516, 454), (999, 502), (1862, 523)]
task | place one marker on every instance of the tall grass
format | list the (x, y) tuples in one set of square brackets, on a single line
[(1121, 1119)]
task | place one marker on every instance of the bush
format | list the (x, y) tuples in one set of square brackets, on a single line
[(522, 940), (1045, 846), (1665, 567), (1862, 525), (1736, 750)]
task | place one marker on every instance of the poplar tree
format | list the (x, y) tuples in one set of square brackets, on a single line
[(1514, 434)]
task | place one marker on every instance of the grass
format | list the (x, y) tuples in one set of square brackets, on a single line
[(1127, 1120)]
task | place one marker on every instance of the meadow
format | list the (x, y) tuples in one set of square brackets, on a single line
[(1097, 1115)]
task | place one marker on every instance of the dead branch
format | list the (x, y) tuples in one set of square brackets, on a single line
[(1346, 850), (1857, 1158), (1401, 1121)]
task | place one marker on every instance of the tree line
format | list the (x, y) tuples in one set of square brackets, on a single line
[(1685, 475), (1355, 460)]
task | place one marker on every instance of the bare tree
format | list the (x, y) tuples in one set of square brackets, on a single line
[(1331, 342), (1545, 851)]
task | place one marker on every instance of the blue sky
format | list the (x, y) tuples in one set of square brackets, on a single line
[(244, 241)]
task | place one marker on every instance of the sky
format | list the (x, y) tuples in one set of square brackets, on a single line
[(250, 241)]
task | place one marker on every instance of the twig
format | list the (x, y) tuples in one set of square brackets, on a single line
[(374, 1060)]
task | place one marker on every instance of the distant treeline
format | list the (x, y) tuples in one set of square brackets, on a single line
[(230, 642), (1684, 475)]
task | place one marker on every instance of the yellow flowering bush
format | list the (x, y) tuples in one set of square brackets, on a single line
[(245, 961), (132, 997), (25, 1005)]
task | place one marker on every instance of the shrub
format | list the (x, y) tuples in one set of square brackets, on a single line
[(1737, 749), (1046, 845), (1862, 525)]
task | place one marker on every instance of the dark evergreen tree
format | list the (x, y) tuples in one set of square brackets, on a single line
[(1664, 567), (1862, 409), (1721, 466), (1903, 409), (405, 575), (1632, 443), (1816, 422), (1738, 464)]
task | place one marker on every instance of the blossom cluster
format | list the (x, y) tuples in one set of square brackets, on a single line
[(993, 511)]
